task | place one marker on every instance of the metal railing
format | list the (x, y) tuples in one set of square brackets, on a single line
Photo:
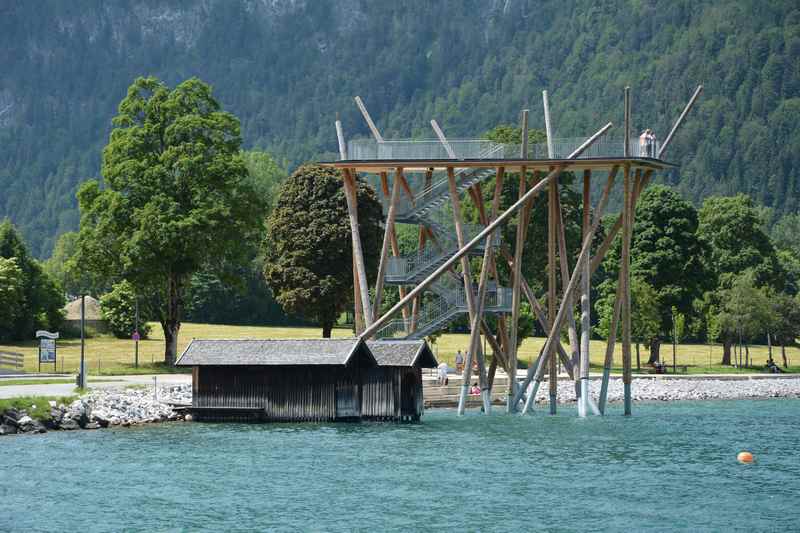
[(368, 149)]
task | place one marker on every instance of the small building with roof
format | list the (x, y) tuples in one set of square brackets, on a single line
[(314, 380), (93, 315)]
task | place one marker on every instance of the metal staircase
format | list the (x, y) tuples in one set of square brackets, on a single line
[(447, 302), (446, 299)]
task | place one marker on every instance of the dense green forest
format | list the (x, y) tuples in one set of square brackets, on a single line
[(287, 67)]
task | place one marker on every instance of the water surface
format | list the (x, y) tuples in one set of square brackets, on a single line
[(669, 467)]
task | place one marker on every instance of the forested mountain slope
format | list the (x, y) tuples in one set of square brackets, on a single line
[(286, 67)]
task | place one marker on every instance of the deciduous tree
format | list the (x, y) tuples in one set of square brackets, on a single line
[(176, 196)]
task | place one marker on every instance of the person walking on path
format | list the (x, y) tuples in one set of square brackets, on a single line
[(459, 362)]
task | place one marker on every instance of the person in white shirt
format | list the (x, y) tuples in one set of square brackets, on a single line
[(443, 373)]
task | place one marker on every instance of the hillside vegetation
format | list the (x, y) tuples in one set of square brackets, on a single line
[(287, 67)]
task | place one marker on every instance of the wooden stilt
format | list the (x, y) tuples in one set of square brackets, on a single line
[(386, 240), (471, 305), (611, 343), (612, 233), (352, 211), (358, 310), (552, 220), (519, 247), (572, 331), (586, 278), (626, 288), (552, 337), (477, 315), (368, 119)]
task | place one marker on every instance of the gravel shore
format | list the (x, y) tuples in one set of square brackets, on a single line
[(655, 389), (104, 408)]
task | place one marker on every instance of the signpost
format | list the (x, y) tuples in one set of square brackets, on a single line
[(136, 337), (47, 348)]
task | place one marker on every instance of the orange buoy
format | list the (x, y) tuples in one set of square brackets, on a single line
[(745, 457)]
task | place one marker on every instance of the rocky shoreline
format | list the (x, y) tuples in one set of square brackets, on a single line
[(103, 408), (129, 407)]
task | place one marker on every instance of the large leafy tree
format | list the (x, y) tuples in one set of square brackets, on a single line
[(41, 302), (732, 229), (666, 254), (11, 295), (176, 196), (308, 248)]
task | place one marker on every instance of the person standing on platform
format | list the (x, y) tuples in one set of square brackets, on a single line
[(643, 138)]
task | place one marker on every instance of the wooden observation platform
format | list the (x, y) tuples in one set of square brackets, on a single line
[(422, 182)]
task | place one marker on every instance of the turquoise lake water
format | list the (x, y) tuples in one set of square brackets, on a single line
[(669, 467)]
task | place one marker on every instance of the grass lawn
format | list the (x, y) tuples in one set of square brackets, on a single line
[(36, 406), (106, 355)]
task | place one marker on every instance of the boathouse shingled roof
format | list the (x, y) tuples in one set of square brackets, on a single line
[(403, 353), (283, 352)]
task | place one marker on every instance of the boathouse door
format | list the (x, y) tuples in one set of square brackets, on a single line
[(347, 399)]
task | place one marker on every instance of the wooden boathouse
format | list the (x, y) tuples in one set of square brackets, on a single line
[(307, 380)]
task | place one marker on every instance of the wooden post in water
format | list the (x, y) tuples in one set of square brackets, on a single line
[(552, 220), (586, 278), (519, 247), (627, 197)]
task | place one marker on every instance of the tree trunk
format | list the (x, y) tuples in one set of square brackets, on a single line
[(655, 348), (783, 354), (746, 355), (172, 323), (327, 327), (638, 360), (726, 352)]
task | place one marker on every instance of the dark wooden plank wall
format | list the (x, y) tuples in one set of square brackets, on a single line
[(314, 394)]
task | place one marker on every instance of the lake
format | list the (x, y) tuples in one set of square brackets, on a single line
[(669, 467)]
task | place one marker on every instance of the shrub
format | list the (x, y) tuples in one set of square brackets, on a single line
[(119, 310)]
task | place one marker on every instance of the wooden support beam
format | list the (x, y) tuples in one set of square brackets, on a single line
[(586, 278), (547, 128), (611, 342), (552, 221), (368, 119), (477, 316), (422, 241), (443, 140), (350, 188), (572, 330), (625, 269), (340, 138), (462, 251), (626, 150), (473, 352), (376, 308), (678, 122), (552, 338), (358, 310), (516, 276), (612, 233)]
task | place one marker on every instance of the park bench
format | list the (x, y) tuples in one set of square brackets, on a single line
[(14, 360), (666, 368)]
